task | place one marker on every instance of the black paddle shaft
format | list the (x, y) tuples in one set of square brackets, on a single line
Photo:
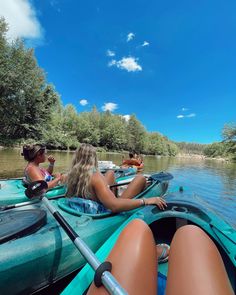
[(102, 271), (162, 176)]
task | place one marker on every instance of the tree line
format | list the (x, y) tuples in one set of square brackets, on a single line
[(226, 148), (31, 110)]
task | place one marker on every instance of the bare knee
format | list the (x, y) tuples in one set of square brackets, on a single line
[(110, 173), (189, 231), (140, 179), (190, 236), (137, 227), (110, 177)]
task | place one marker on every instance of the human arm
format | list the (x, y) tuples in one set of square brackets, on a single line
[(51, 161), (108, 199)]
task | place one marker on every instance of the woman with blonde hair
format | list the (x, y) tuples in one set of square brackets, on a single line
[(89, 191)]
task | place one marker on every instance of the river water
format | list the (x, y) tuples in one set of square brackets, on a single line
[(212, 181)]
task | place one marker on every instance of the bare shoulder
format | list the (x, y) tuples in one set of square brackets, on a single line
[(97, 178), (98, 183), (34, 172), (32, 169)]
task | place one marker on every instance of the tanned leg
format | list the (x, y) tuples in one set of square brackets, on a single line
[(134, 261), (195, 265)]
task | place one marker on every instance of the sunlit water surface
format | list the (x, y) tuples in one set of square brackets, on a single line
[(212, 181)]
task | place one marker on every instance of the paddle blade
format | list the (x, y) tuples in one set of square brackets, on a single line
[(162, 176), (36, 189)]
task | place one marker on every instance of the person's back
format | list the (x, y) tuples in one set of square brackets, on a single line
[(85, 184)]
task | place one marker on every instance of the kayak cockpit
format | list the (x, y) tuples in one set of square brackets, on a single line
[(17, 224), (64, 205), (163, 231)]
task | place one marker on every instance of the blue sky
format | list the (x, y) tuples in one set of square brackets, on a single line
[(172, 63)]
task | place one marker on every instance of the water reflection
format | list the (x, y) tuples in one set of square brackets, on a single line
[(213, 181)]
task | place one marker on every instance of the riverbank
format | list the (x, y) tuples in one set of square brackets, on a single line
[(102, 150), (200, 157)]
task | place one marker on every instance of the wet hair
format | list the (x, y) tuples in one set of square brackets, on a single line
[(30, 151), (84, 162)]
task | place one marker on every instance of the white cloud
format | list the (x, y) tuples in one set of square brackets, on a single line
[(112, 63), (126, 117), (186, 116), (109, 106), (21, 18), (184, 109), (129, 64), (145, 43), (83, 102), (110, 53), (130, 37), (191, 115)]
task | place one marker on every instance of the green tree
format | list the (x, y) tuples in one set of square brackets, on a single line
[(26, 100), (113, 131), (88, 128), (136, 135), (229, 135)]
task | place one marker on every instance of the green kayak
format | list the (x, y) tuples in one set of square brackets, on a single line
[(35, 251), (12, 191), (182, 209)]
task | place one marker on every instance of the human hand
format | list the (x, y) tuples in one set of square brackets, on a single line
[(58, 176), (158, 201), (63, 178), (51, 159)]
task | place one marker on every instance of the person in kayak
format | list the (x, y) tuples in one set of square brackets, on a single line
[(195, 265), (34, 155), (133, 161), (89, 191)]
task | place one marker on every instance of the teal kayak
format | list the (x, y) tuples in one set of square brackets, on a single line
[(181, 210), (12, 191), (35, 251)]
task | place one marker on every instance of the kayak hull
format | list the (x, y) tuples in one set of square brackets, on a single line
[(35, 261), (12, 191)]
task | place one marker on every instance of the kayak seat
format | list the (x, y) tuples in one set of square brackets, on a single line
[(63, 204), (16, 224)]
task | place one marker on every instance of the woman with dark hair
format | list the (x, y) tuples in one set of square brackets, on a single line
[(34, 155)]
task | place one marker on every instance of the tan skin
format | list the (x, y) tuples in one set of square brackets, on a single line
[(195, 265), (35, 174), (99, 188), (109, 198), (136, 162)]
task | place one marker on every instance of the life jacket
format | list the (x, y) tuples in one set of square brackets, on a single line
[(133, 162)]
